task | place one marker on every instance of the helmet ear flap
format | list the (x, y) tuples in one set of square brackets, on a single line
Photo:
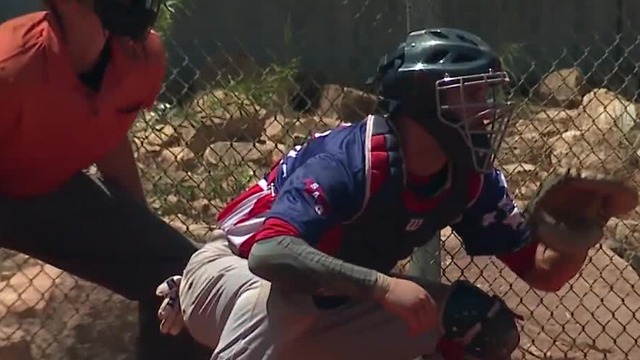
[(395, 84), (388, 81)]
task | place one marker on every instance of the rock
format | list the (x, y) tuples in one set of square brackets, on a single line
[(164, 147), (275, 150), (28, 291), (14, 345), (606, 110), (626, 229), (633, 136), (163, 137), (549, 121), (225, 117), (597, 137), (206, 209), (579, 152), (626, 241), (309, 90), (280, 129), (176, 159), (275, 128), (198, 231), (517, 168), (329, 100), (355, 105), (346, 104), (563, 146), (80, 321), (563, 88), (298, 130), (223, 67), (531, 137), (230, 154), (89, 322)]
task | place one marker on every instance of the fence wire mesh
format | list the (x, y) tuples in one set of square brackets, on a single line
[(239, 95)]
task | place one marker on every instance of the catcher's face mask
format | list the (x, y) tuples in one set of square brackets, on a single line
[(475, 106), (128, 18)]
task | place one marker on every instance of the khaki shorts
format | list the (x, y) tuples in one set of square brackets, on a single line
[(239, 316)]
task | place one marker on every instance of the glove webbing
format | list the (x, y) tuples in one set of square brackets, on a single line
[(455, 349)]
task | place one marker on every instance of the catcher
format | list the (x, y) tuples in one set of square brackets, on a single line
[(301, 265)]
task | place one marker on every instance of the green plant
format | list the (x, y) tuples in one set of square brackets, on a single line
[(268, 90), (164, 24), (245, 94), (228, 181), (509, 54), (265, 90)]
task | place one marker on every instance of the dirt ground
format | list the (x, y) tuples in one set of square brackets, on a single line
[(593, 318)]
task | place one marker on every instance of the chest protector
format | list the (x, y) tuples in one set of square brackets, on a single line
[(385, 231)]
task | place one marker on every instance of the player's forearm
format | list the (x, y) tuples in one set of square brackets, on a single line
[(290, 263), (553, 270), (120, 167)]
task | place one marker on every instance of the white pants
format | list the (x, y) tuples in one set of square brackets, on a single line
[(238, 315)]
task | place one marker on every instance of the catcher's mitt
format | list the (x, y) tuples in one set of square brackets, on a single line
[(477, 325), (571, 208)]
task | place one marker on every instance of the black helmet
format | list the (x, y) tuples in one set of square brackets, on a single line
[(417, 81), (128, 18)]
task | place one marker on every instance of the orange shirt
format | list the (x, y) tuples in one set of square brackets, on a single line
[(51, 125)]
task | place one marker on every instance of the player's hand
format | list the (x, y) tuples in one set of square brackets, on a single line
[(169, 313), (413, 304)]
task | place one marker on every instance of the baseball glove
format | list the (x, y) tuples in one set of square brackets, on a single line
[(572, 207), (477, 325)]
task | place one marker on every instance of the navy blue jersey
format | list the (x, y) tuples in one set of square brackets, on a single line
[(320, 187)]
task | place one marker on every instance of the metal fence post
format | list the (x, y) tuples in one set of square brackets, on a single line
[(425, 261)]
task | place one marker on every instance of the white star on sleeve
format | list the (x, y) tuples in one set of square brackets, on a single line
[(489, 219), (515, 219), (505, 204)]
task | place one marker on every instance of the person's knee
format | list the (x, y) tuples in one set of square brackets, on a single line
[(198, 308), (203, 276)]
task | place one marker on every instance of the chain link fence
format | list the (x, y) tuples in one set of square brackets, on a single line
[(247, 80)]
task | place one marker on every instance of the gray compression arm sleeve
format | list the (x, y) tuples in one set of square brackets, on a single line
[(291, 263)]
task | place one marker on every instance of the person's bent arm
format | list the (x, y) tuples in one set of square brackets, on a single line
[(290, 251), (546, 269), (290, 263), (9, 105), (493, 225), (119, 166)]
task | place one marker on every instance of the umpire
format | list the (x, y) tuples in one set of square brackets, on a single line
[(72, 81)]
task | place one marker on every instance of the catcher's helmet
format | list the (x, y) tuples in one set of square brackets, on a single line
[(417, 81)]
